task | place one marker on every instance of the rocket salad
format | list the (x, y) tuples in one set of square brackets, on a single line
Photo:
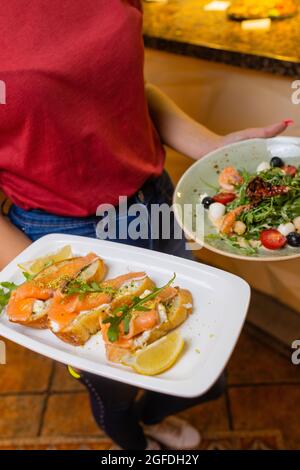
[(261, 209)]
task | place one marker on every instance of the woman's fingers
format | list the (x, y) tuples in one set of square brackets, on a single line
[(258, 132), (265, 132)]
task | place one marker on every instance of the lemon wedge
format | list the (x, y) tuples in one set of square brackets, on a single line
[(158, 356), (36, 265)]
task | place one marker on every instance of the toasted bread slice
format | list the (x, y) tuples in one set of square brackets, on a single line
[(95, 271), (127, 286), (172, 310), (74, 320), (176, 312), (81, 326), (29, 303)]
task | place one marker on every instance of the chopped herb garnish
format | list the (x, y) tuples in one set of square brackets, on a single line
[(124, 313), (126, 322), (82, 288)]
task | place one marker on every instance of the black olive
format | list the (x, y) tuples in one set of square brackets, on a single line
[(276, 162), (207, 201), (293, 239)]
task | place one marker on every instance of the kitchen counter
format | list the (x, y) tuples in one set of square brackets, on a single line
[(184, 27)]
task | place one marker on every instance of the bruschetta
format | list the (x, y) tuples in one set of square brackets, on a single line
[(169, 309), (75, 318), (30, 302)]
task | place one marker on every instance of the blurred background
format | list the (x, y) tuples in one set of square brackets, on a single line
[(232, 65)]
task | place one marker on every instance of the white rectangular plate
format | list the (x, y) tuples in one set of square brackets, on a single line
[(220, 305)]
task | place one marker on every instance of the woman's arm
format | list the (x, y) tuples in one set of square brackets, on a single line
[(187, 136), (12, 242)]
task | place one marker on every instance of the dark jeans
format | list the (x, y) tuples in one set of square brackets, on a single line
[(119, 413), (114, 404)]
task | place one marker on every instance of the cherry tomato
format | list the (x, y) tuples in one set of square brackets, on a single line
[(224, 198), (272, 239), (290, 170)]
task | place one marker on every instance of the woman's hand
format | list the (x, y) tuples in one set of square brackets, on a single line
[(12, 242), (256, 132), (187, 136)]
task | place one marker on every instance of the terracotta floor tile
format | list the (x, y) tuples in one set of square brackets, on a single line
[(269, 407), (20, 415), (211, 416), (254, 362), (62, 380), (69, 414), (25, 370)]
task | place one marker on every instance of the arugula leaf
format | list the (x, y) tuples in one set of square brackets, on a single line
[(9, 285), (113, 330), (153, 294), (234, 243), (5, 293), (115, 321), (124, 313), (126, 323)]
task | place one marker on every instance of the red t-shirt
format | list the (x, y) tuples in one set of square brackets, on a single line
[(75, 131)]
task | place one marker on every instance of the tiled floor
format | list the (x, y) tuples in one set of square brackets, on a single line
[(39, 398)]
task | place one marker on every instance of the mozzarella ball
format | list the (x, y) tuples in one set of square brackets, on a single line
[(239, 227), (285, 229), (216, 210), (296, 222), (263, 166)]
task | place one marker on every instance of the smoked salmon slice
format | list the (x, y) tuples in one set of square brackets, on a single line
[(29, 303)]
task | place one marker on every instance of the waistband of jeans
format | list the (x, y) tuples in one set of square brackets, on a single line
[(38, 215), (149, 188)]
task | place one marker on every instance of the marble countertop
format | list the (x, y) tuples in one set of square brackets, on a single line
[(184, 27)]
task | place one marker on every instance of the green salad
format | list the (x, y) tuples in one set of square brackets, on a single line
[(257, 210)]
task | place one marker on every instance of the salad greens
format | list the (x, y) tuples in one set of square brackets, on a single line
[(233, 242), (273, 211), (269, 212)]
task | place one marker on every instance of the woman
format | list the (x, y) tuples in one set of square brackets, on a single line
[(79, 128)]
